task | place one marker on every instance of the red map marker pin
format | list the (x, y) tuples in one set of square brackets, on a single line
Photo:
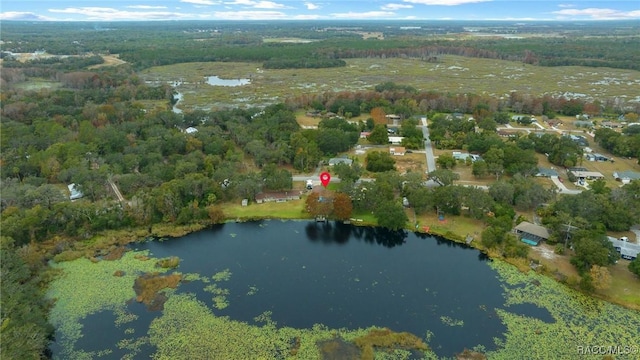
[(325, 177)]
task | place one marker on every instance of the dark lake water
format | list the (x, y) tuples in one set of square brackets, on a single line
[(338, 275)]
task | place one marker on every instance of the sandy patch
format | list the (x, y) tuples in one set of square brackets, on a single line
[(545, 252)]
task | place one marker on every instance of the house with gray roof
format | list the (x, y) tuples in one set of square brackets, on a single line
[(626, 176), (336, 161), (531, 234), (546, 172), (627, 250)]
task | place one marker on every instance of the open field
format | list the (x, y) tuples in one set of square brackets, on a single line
[(109, 60), (37, 84), (412, 162), (624, 285), (452, 74)]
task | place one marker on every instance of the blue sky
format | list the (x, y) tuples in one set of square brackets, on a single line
[(127, 10)]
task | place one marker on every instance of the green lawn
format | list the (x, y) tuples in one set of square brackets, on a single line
[(286, 210)]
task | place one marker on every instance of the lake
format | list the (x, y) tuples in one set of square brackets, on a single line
[(303, 273), (216, 81)]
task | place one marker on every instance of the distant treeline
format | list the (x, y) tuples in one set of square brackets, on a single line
[(311, 63), (146, 45), (55, 63)]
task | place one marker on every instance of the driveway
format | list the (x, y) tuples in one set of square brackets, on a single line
[(428, 149), (563, 189), (636, 230)]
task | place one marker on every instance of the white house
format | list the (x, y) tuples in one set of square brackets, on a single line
[(74, 192), (458, 155), (397, 150), (396, 140)]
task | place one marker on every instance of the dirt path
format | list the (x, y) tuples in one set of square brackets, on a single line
[(116, 191)]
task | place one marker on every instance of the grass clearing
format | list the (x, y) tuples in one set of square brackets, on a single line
[(452, 227), (414, 162), (625, 286), (37, 84), (286, 210), (109, 60)]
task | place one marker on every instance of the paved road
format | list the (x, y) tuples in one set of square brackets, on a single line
[(314, 178), (563, 189), (431, 160)]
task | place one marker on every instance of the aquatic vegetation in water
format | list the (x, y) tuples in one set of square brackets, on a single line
[(214, 289), (220, 302), (579, 320), (265, 318), (123, 317), (133, 345), (195, 277), (189, 330), (223, 275), (220, 299), (451, 322), (84, 288), (252, 290)]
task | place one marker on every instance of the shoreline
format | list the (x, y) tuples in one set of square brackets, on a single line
[(108, 241)]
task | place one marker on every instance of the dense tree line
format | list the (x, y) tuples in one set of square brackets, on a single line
[(303, 63), (406, 102), (625, 144), (167, 43), (23, 308)]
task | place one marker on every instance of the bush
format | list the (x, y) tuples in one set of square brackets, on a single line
[(634, 266), (586, 283), (559, 249)]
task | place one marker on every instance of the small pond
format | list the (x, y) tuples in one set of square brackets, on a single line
[(216, 81), (304, 273), (178, 98)]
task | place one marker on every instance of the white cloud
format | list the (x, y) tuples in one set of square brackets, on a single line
[(598, 13), (311, 6), (110, 14), (250, 15), (257, 4), (147, 7), (444, 2), (393, 7), (308, 17), (566, 5), (364, 15), (201, 2), (19, 15)]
